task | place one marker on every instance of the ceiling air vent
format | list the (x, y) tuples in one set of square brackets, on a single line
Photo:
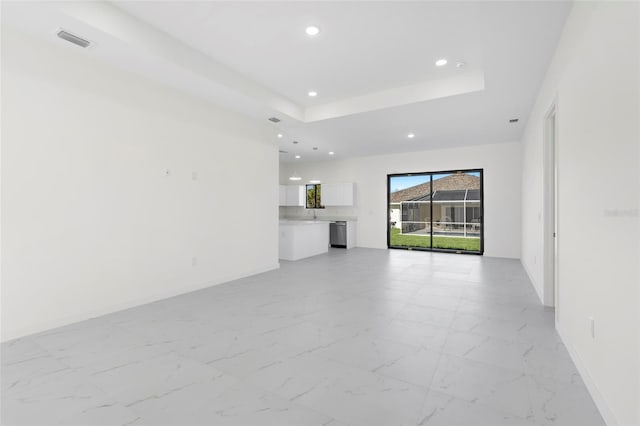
[(73, 39), (513, 120), (274, 119), (283, 152)]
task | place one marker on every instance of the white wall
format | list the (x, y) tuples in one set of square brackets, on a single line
[(595, 76), (501, 164), (90, 222)]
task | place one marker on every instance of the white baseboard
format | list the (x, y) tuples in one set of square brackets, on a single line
[(11, 334), (533, 283), (598, 398)]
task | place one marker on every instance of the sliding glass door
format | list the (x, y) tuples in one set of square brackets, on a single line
[(409, 210), (436, 211)]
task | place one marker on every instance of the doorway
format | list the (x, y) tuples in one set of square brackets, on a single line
[(550, 293), (436, 211)]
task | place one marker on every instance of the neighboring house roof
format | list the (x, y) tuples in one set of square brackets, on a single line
[(450, 187)]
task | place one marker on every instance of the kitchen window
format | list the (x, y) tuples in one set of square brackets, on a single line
[(314, 196)]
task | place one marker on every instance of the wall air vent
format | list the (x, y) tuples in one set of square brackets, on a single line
[(274, 119), (73, 39)]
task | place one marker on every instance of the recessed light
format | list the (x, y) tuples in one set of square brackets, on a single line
[(280, 135), (460, 64), (297, 156), (441, 62), (411, 135), (315, 148), (314, 181), (312, 30), (331, 152), (312, 93), (295, 177), (295, 142)]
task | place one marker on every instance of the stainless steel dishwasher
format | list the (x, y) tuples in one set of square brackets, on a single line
[(338, 234)]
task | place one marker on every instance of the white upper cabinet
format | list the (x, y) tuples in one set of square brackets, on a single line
[(338, 194), (292, 195), (295, 195), (329, 195)]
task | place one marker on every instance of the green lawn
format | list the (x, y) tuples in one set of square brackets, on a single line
[(456, 243)]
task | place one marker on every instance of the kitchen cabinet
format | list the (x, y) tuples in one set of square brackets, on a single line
[(292, 195), (351, 234), (295, 195), (302, 238), (338, 194)]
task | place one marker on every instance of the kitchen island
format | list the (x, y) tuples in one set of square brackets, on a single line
[(303, 238)]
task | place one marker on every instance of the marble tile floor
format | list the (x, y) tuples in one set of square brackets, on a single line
[(358, 337)]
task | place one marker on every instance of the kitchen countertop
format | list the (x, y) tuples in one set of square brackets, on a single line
[(301, 222), (321, 218)]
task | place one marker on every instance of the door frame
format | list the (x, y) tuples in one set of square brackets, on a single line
[(431, 174), (550, 208)]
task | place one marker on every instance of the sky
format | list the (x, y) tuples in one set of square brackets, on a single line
[(403, 182)]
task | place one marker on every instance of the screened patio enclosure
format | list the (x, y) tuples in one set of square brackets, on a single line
[(455, 213)]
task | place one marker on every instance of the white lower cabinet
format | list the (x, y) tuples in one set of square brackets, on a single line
[(303, 238), (351, 234)]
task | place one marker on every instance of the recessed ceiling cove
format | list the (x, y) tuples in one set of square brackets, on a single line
[(368, 56), (453, 73)]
